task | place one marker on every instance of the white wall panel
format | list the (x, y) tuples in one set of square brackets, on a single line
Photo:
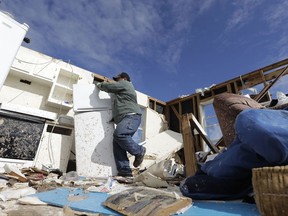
[(93, 144)]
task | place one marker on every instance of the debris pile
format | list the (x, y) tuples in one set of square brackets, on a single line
[(36, 187)]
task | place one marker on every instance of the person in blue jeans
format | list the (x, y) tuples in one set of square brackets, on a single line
[(127, 117)]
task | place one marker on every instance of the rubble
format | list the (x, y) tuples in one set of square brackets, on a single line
[(69, 194)]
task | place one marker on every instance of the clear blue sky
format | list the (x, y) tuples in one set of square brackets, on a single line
[(169, 47)]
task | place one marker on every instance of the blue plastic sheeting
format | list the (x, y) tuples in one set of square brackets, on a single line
[(77, 199), (208, 208), (84, 201)]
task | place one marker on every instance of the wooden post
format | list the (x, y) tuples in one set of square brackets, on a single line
[(189, 149)]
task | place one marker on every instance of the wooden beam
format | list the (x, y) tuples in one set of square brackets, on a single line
[(100, 78), (176, 112), (228, 88), (198, 127), (189, 148), (235, 87), (267, 87), (157, 101)]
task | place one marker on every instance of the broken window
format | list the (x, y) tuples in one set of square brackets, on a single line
[(19, 135), (210, 123)]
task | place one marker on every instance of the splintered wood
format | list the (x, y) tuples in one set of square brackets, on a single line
[(143, 201)]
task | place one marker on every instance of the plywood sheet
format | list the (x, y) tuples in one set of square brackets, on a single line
[(147, 201)]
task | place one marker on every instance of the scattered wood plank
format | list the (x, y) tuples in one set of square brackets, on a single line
[(15, 172)]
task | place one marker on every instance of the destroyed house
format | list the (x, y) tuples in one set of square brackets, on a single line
[(41, 87), (53, 117)]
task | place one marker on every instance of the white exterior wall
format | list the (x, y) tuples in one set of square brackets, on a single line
[(35, 94), (50, 78), (44, 84)]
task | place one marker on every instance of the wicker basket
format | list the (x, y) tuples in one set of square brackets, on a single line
[(270, 186)]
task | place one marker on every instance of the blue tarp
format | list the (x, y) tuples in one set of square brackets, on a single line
[(216, 208), (85, 201), (77, 199)]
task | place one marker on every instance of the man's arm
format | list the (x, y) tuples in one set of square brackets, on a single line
[(110, 87)]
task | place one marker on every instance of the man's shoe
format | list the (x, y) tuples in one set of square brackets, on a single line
[(125, 174), (139, 158)]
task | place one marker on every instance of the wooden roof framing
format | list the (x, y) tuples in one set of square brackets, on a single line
[(175, 109)]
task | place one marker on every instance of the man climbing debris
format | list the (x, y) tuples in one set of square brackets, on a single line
[(127, 117)]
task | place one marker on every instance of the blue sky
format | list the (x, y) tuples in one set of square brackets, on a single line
[(169, 47)]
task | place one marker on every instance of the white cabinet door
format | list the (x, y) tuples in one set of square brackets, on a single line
[(89, 97)]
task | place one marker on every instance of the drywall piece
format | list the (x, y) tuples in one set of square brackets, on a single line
[(88, 97), (29, 111), (150, 180), (155, 122), (16, 193), (28, 200), (160, 147), (142, 99), (93, 144), (18, 163)]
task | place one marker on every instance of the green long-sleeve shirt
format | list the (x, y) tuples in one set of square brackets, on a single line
[(125, 101)]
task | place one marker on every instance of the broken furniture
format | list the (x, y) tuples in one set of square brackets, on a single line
[(227, 106)]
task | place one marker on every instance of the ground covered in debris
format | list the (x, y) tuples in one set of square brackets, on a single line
[(19, 189)]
